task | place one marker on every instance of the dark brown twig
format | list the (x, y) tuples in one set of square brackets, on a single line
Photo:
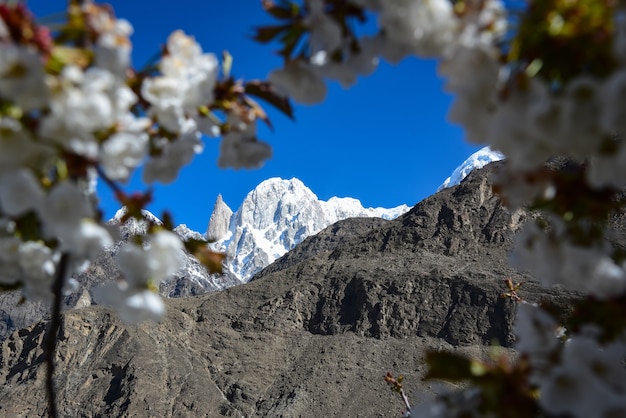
[(50, 340)]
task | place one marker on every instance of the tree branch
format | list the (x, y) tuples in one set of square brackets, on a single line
[(50, 340)]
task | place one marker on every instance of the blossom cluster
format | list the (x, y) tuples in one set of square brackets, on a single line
[(537, 83), (73, 110), (542, 82)]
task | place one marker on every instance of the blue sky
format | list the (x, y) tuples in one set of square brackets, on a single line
[(385, 141)]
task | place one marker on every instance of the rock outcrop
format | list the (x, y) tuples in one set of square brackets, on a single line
[(219, 220), (312, 335)]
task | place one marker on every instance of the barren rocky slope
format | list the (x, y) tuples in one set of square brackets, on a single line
[(312, 335)]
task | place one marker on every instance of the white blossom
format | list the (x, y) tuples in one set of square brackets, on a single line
[(240, 151), (22, 76), (299, 81), (123, 152), (553, 260), (535, 331), (472, 75), (132, 305), (154, 262), (175, 154), (113, 46), (188, 76), (426, 26), (37, 268), (63, 208), (325, 31), (589, 381), (20, 192), (87, 240), (82, 105)]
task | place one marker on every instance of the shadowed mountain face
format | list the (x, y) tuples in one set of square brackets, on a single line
[(312, 335)]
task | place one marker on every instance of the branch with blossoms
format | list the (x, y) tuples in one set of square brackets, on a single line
[(542, 82), (73, 110), (538, 83)]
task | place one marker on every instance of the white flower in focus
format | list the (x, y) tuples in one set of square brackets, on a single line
[(20, 192), (22, 77), (299, 81), (122, 153)]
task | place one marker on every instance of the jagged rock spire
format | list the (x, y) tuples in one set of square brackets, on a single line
[(220, 218)]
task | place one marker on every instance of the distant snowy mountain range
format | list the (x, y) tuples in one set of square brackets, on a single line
[(273, 218)]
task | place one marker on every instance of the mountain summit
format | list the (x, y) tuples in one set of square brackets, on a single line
[(276, 216), (479, 159)]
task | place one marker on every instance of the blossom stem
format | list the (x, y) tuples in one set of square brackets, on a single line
[(50, 339)]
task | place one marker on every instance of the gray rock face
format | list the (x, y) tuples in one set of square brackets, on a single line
[(191, 279), (219, 221), (312, 335)]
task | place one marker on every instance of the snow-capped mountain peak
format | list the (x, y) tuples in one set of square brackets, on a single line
[(478, 159), (277, 215)]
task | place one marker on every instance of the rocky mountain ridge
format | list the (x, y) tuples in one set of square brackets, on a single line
[(274, 217), (312, 334)]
